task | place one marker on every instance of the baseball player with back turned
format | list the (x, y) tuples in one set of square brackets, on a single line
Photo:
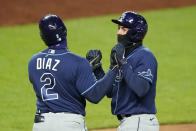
[(134, 90), (63, 80)]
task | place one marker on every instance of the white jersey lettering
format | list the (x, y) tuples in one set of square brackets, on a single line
[(48, 64)]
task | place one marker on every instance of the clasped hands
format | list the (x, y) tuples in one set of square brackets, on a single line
[(117, 58)]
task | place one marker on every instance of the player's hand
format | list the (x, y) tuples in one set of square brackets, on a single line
[(117, 58), (94, 57)]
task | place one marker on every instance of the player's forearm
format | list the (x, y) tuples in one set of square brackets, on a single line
[(101, 87), (139, 85)]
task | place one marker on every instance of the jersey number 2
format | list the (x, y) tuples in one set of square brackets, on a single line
[(47, 89)]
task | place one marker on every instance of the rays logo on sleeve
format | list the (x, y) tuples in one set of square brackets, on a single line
[(146, 75)]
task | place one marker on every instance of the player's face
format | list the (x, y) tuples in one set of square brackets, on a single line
[(122, 30)]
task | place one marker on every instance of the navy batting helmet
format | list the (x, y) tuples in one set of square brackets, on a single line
[(136, 23), (52, 29)]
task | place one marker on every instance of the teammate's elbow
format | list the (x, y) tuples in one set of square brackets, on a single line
[(141, 94), (94, 101), (143, 89)]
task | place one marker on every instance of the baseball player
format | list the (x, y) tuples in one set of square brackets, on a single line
[(63, 80), (134, 89)]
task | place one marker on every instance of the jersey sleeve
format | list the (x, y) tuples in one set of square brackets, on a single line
[(85, 77), (31, 67), (146, 68)]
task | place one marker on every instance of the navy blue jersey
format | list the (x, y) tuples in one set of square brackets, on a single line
[(127, 98), (62, 81)]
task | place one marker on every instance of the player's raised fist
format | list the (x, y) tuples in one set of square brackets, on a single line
[(117, 56), (94, 57)]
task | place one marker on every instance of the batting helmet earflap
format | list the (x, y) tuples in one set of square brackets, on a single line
[(52, 29), (136, 23)]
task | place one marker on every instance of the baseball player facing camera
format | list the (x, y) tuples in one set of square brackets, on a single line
[(62, 81), (134, 89)]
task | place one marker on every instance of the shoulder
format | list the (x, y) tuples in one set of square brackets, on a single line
[(142, 53), (33, 57), (82, 65), (142, 57), (149, 56), (78, 58), (33, 61), (146, 52), (78, 61)]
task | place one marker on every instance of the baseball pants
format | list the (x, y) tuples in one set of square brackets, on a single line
[(60, 122), (143, 122)]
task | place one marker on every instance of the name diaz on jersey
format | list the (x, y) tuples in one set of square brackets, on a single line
[(47, 63)]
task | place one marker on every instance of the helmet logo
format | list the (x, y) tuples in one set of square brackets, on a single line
[(141, 21), (122, 17), (52, 27), (131, 20), (58, 38)]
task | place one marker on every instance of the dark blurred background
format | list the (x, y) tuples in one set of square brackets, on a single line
[(30, 11)]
